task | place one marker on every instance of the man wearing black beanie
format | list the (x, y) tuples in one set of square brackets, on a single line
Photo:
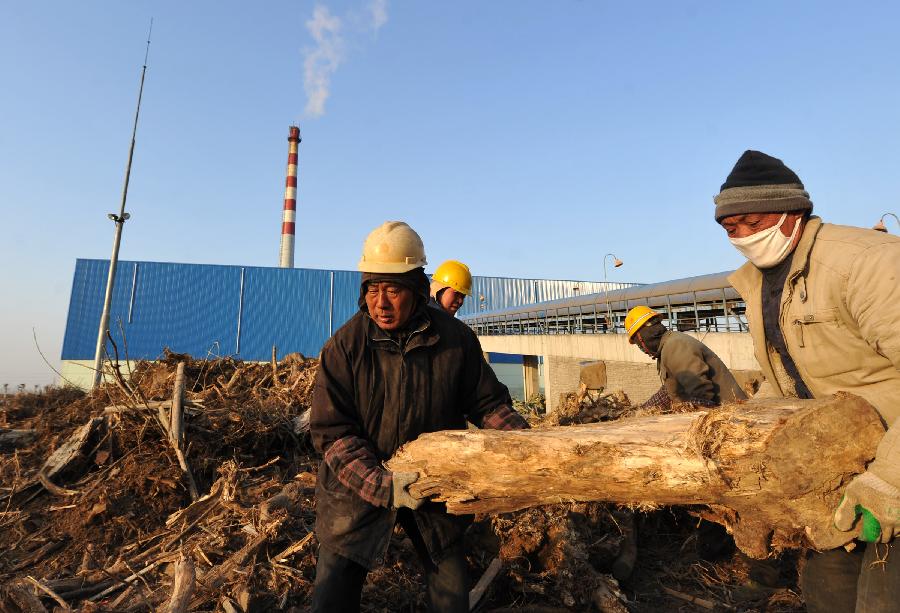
[(823, 307)]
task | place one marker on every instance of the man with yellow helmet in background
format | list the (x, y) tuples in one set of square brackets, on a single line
[(690, 371), (450, 284)]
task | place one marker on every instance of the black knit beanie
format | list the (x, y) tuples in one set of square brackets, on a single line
[(415, 280), (760, 183)]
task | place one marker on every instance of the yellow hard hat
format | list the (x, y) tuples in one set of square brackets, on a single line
[(455, 275), (637, 317), (392, 247)]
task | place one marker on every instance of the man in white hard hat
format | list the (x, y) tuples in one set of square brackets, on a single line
[(823, 306), (395, 370)]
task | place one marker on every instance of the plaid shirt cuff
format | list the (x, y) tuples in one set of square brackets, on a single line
[(662, 399), (659, 399), (504, 418), (354, 464)]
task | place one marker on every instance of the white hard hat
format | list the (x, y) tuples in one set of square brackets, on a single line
[(392, 247)]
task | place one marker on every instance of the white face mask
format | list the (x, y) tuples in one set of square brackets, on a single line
[(769, 247)]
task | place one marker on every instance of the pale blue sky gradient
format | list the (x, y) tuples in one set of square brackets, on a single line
[(525, 138)]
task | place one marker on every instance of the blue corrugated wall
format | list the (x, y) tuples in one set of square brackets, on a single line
[(506, 292), (243, 311)]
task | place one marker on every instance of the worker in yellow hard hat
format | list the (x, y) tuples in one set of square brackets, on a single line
[(690, 371), (450, 284)]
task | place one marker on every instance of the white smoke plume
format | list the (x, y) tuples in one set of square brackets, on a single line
[(379, 13), (321, 62)]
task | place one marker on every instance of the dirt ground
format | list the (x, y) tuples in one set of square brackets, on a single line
[(110, 530)]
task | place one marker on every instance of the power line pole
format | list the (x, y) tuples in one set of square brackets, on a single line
[(119, 220)]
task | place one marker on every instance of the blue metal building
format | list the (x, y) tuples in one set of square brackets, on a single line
[(243, 311)]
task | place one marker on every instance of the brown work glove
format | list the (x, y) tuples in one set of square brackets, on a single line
[(875, 494), (400, 496)]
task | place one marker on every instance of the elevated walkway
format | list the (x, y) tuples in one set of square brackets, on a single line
[(569, 332)]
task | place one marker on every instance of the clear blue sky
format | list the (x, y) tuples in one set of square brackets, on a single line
[(525, 138)]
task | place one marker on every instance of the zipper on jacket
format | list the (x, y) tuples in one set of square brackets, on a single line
[(787, 294), (799, 327)]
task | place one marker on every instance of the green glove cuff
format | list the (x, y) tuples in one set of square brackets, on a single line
[(871, 527)]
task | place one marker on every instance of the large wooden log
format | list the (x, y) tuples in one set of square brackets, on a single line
[(771, 470)]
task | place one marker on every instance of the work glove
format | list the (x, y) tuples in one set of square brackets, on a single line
[(400, 496), (877, 501), (874, 495)]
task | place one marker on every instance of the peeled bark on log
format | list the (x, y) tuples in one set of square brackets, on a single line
[(772, 470), (17, 597), (71, 458)]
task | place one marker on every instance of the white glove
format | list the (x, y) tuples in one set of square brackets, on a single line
[(400, 496)]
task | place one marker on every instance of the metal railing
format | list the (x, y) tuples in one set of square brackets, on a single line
[(703, 304)]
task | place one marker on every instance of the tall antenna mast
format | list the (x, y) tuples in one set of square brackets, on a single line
[(119, 220)]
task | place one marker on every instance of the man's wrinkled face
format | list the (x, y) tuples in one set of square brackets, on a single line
[(742, 226), (390, 305), (451, 300)]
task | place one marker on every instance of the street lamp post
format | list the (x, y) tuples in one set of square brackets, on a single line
[(880, 225), (616, 263)]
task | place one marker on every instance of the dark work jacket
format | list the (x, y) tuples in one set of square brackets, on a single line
[(434, 304), (692, 371), (372, 386)]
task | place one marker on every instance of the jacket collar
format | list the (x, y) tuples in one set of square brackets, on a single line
[(419, 332), (662, 342), (662, 339)]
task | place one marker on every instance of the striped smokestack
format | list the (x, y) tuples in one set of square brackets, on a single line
[(290, 201)]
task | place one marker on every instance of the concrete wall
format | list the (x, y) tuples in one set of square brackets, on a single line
[(80, 373), (638, 381), (560, 376), (735, 349)]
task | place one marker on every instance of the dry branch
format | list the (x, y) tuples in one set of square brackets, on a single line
[(153, 404), (49, 592), (760, 464), (293, 548), (183, 588), (477, 592), (174, 426), (700, 602)]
